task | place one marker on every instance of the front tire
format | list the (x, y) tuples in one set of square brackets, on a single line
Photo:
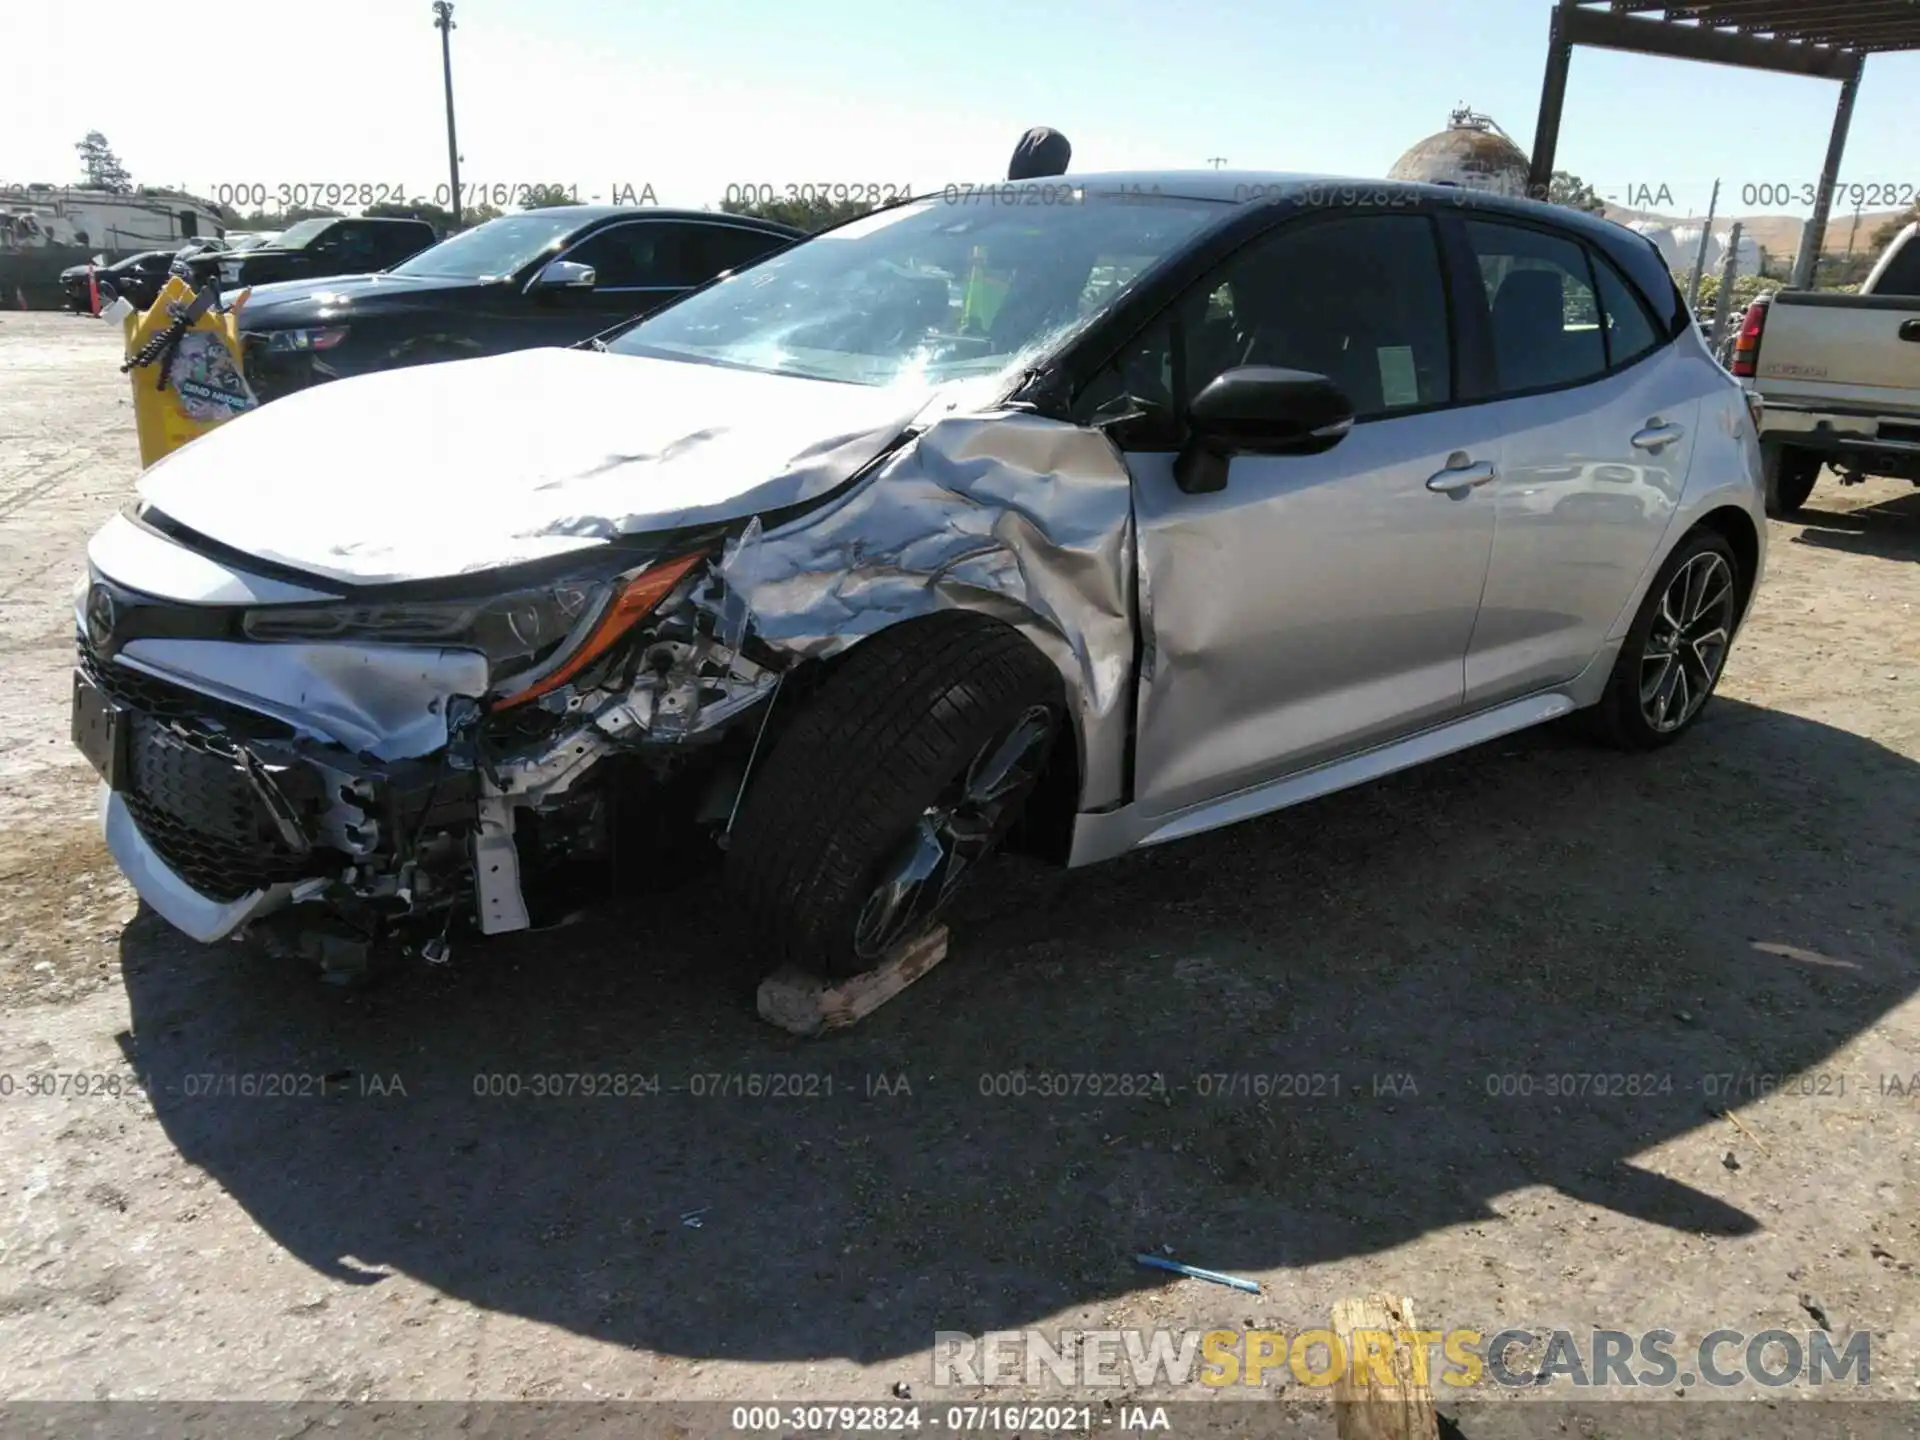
[(1790, 477), (1674, 655), (901, 775)]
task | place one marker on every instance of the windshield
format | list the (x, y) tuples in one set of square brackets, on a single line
[(489, 251), (929, 292), (296, 235)]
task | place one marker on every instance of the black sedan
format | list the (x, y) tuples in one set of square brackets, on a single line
[(138, 277), (544, 277)]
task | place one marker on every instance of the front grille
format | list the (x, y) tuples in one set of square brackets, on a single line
[(186, 789), (149, 695), (195, 805)]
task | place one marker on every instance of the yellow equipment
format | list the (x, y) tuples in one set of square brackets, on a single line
[(188, 371), (981, 300)]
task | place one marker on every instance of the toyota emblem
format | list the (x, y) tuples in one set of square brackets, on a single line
[(100, 616)]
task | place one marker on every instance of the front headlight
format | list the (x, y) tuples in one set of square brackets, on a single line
[(535, 639), (319, 338)]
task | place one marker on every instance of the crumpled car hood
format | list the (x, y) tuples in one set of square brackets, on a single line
[(468, 465)]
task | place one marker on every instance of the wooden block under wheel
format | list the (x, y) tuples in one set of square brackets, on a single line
[(807, 1004)]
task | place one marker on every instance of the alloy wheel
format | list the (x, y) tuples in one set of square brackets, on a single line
[(1688, 642), (954, 834)]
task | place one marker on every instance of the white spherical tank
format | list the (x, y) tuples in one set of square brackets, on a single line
[(1749, 252), (1664, 240), (1686, 239), (1471, 152)]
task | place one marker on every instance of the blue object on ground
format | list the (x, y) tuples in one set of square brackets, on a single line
[(1193, 1272)]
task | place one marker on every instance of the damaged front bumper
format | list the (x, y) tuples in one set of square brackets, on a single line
[(241, 778), (166, 890), (220, 814)]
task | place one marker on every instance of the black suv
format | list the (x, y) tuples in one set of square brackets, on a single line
[(314, 249)]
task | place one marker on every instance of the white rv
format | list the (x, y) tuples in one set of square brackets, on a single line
[(33, 216)]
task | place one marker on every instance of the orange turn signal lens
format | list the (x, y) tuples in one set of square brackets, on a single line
[(632, 605)]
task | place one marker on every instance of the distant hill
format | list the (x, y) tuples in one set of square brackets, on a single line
[(1778, 235)]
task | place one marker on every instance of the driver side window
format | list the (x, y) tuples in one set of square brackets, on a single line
[(624, 257), (1360, 299)]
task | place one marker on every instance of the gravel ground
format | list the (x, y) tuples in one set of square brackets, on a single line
[(1740, 906)]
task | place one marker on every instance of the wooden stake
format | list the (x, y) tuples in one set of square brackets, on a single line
[(1375, 1331), (812, 1005)]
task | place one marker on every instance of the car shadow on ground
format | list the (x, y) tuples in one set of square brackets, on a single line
[(1890, 529), (992, 1148)]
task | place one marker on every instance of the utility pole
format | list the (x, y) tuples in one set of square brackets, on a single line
[(1216, 161), (443, 22), (1723, 299), (1700, 256)]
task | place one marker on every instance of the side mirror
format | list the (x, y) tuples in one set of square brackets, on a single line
[(1259, 410), (565, 275)]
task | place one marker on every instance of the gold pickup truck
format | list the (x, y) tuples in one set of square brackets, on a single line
[(1839, 378)]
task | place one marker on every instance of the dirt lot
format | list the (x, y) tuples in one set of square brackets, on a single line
[(1743, 905)]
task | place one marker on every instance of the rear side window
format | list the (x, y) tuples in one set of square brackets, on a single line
[(1361, 300), (1545, 317), (396, 242), (1629, 333), (352, 246)]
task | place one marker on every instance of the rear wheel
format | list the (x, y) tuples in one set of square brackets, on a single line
[(901, 776), (1790, 476), (1678, 645)]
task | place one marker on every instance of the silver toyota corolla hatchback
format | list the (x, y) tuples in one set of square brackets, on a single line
[(1081, 515)]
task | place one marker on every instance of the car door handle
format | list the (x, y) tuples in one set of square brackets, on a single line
[(1655, 436), (1461, 475), (1911, 331)]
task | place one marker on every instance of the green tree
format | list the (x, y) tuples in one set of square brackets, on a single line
[(231, 219), (545, 197), (438, 216), (103, 168), (1884, 236), (813, 213), (1746, 290), (1566, 188)]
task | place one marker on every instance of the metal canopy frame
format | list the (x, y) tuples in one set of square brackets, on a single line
[(1824, 39)]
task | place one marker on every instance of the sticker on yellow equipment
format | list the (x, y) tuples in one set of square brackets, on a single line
[(184, 389), (202, 374)]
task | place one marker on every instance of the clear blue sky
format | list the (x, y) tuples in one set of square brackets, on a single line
[(691, 96)]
